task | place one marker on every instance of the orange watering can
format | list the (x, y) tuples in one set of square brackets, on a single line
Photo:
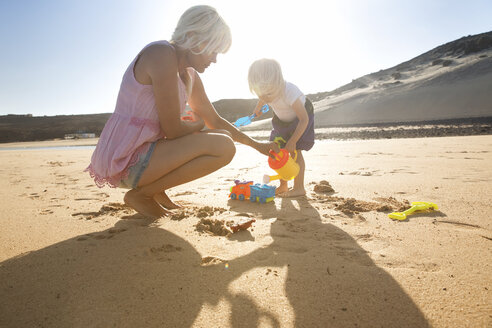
[(283, 164)]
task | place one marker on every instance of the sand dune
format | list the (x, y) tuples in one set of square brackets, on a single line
[(445, 83), (428, 93)]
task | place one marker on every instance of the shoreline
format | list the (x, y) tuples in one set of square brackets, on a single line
[(449, 128)]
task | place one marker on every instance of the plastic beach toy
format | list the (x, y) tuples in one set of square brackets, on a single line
[(248, 119), (283, 164), (416, 206), (260, 193), (243, 225)]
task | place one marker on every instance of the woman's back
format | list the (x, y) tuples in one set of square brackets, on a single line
[(130, 129)]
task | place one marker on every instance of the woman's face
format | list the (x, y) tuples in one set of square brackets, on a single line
[(202, 61)]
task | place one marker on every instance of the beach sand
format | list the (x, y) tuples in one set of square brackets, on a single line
[(72, 255)]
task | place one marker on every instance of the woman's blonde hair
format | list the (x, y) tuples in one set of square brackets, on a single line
[(202, 26), (265, 77)]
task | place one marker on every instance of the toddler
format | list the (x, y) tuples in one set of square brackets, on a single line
[(293, 119)]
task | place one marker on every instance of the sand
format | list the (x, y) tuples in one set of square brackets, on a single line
[(72, 255)]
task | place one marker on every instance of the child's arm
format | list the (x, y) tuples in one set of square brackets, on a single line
[(259, 105), (303, 117)]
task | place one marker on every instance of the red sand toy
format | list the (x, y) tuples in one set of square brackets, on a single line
[(241, 190), (242, 225)]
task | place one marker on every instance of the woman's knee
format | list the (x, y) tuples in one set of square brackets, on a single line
[(228, 148), (219, 145)]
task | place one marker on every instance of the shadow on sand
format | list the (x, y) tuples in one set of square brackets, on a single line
[(137, 275)]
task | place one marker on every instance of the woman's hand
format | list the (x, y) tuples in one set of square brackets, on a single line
[(265, 147), (198, 123)]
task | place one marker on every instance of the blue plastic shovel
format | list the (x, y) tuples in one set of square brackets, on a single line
[(248, 119)]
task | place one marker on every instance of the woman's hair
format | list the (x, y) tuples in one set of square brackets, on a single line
[(265, 77), (202, 26)]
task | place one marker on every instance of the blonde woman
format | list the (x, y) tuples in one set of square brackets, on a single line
[(293, 119), (146, 146)]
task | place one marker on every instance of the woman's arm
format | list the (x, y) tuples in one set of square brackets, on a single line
[(303, 117), (202, 106), (160, 63)]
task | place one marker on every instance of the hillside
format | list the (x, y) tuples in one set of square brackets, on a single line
[(451, 82)]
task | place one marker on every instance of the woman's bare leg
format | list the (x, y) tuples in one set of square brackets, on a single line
[(178, 161), (162, 198), (298, 189)]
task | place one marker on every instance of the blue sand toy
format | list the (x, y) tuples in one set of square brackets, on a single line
[(262, 193), (248, 119)]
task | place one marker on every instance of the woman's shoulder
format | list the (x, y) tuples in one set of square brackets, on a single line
[(163, 47), (158, 56)]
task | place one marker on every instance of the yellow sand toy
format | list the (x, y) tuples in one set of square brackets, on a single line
[(283, 164), (416, 206)]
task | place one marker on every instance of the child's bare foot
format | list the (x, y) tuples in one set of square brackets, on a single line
[(281, 189), (165, 201), (144, 205), (293, 193)]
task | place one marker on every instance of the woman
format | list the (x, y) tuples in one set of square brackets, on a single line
[(145, 146)]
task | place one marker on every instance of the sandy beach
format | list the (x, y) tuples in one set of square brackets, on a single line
[(72, 255)]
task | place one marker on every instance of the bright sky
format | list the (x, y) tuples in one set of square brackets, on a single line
[(68, 56)]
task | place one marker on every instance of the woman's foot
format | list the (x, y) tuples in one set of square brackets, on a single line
[(165, 201), (144, 205), (293, 193)]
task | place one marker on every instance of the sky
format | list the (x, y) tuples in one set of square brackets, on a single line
[(68, 57)]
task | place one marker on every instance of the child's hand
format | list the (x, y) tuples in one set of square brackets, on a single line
[(290, 147)]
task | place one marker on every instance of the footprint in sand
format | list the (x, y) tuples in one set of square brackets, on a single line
[(184, 193), (99, 236), (211, 260), (361, 173), (289, 249), (403, 171), (34, 195), (364, 237), (166, 248), (55, 163), (111, 209), (458, 224), (46, 212), (426, 266)]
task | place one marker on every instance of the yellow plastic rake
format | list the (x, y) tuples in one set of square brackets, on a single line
[(416, 206)]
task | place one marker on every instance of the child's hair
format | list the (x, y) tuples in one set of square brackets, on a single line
[(265, 77), (202, 25)]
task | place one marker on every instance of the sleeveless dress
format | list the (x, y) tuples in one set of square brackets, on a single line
[(131, 129)]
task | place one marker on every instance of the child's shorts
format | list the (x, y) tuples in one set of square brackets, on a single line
[(135, 171), (286, 129)]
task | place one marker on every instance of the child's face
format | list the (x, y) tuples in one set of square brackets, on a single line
[(268, 97)]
